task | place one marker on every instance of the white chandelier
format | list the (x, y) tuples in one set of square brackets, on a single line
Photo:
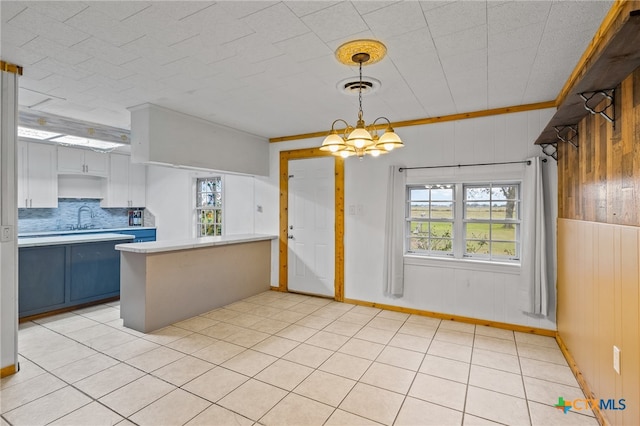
[(361, 139)]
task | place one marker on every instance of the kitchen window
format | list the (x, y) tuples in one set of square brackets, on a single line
[(479, 221), (208, 206)]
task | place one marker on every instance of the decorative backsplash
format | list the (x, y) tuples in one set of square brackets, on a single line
[(66, 216)]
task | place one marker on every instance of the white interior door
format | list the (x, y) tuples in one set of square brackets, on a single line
[(311, 254)]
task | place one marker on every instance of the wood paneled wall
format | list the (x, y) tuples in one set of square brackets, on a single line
[(599, 251), (599, 304), (600, 180)]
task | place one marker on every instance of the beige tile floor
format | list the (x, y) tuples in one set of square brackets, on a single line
[(284, 359)]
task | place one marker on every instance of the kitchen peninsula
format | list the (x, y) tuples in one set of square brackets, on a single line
[(163, 282)]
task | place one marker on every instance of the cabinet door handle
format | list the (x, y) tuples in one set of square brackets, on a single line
[(26, 202), (30, 202)]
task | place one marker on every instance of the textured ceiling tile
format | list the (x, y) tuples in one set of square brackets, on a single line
[(462, 42), (410, 45), (92, 21), (304, 47), (396, 19), (364, 7), (303, 8), (35, 73), (69, 71), (20, 56), (517, 14), (142, 82), (49, 27), (455, 16), (225, 32), (254, 48), (108, 52), (515, 59), (58, 10), (98, 66), (339, 21), (189, 68), (14, 35), (516, 38), (276, 23), (9, 9), (119, 10), (206, 51), (588, 14), (458, 63), (240, 9), (162, 21), (44, 46), (149, 48)]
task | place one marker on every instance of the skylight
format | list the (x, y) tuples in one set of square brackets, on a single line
[(25, 132)]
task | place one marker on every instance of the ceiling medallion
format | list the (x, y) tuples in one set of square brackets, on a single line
[(375, 49)]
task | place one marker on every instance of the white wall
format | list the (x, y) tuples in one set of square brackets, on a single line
[(483, 293), (171, 196)]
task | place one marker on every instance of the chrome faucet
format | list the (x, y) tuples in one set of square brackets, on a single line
[(80, 210)]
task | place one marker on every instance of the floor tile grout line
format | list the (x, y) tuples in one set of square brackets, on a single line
[(348, 338), (75, 388)]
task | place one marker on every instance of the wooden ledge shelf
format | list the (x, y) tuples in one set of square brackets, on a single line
[(617, 60)]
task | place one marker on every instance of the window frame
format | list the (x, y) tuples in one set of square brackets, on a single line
[(429, 220), (217, 211), (459, 238)]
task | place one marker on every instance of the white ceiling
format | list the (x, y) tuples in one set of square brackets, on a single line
[(268, 67)]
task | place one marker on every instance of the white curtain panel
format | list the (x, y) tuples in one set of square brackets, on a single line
[(394, 227), (535, 293)]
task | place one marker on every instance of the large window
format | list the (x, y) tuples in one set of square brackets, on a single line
[(480, 221), (208, 206)]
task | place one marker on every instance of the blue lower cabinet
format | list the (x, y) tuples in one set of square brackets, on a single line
[(95, 271), (42, 279), (66, 275)]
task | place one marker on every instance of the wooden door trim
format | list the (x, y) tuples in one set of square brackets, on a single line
[(297, 154)]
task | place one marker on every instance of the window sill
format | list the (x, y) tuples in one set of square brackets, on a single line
[(469, 264)]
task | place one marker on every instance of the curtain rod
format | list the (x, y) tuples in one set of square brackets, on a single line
[(528, 162)]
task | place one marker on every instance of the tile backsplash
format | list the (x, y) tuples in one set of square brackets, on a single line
[(60, 219)]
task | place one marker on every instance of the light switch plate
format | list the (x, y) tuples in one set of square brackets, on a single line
[(616, 359), (5, 233)]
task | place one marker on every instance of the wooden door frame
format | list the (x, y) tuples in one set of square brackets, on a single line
[(299, 154)]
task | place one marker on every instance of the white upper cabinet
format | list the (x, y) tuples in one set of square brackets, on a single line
[(37, 178), (82, 161), (126, 184)]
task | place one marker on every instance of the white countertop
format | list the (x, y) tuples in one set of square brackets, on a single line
[(192, 243), (82, 231), (71, 239)]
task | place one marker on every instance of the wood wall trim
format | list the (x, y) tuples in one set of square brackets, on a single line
[(11, 68), (609, 26), (449, 317), (433, 120), (581, 380), (8, 370), (295, 154)]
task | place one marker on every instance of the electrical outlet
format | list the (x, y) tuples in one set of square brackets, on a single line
[(616, 359), (6, 234)]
